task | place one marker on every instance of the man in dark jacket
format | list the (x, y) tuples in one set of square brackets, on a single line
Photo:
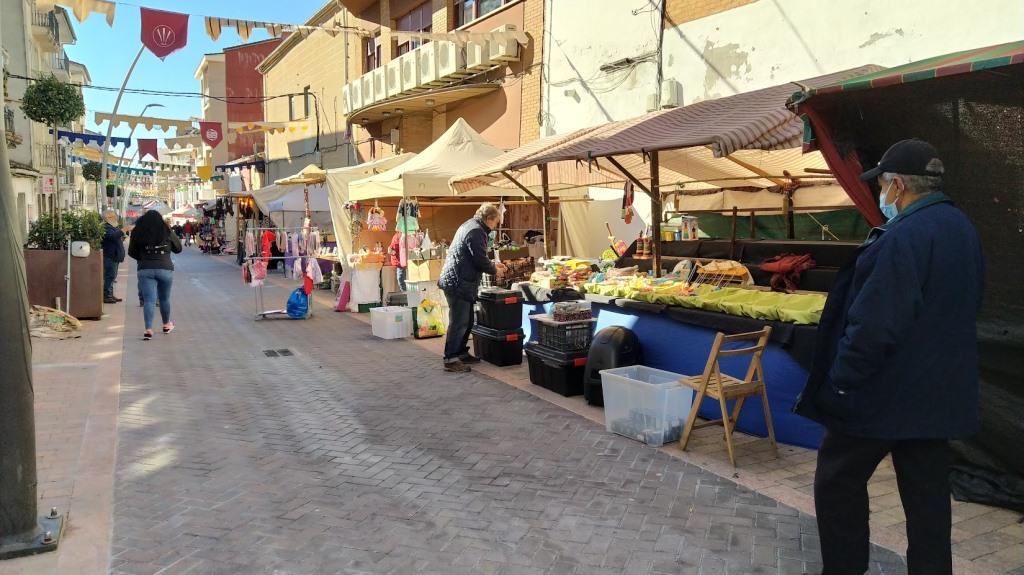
[(895, 368), (460, 279), (113, 254)]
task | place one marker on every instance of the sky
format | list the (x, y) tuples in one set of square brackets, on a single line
[(108, 52)]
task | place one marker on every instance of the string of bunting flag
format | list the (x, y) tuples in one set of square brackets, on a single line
[(259, 165), (90, 140), (165, 32)]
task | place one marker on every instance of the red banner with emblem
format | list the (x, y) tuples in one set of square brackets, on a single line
[(163, 32), (148, 147), (211, 132)]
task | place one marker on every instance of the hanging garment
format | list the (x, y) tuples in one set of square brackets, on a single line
[(627, 202), (250, 242), (375, 220), (297, 268), (265, 241), (501, 212), (259, 272), (282, 241), (313, 270), (313, 243)]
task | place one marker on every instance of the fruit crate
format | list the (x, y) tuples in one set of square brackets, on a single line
[(563, 335)]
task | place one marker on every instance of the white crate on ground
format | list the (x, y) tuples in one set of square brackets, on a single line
[(645, 404), (393, 322)]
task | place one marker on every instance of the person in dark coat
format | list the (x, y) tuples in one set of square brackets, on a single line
[(896, 365), (113, 254), (466, 262), (152, 243)]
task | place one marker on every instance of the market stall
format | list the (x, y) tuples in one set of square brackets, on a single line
[(740, 151), (404, 200), (968, 105)]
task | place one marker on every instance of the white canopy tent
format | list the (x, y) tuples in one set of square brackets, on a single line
[(288, 210), (427, 174), (338, 180)]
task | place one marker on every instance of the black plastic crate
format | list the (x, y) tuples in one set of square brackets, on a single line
[(500, 347), (560, 371), (500, 309), (563, 336)]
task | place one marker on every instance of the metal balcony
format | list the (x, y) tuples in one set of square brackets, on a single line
[(45, 28)]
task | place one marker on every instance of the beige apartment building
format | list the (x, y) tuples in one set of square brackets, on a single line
[(33, 46), (211, 75), (375, 94)]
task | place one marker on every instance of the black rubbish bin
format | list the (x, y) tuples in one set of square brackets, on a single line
[(613, 346)]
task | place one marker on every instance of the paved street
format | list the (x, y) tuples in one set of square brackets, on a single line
[(357, 455)]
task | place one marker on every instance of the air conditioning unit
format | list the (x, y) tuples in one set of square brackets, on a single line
[(393, 77), (478, 56), (380, 84), (671, 94), (369, 96), (426, 56), (410, 65), (506, 50), (451, 60)]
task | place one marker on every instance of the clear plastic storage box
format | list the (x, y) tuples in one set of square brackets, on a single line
[(645, 404), (391, 322)]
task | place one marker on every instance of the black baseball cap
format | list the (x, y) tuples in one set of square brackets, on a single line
[(908, 157)]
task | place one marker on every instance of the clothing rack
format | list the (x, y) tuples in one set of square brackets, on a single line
[(261, 311)]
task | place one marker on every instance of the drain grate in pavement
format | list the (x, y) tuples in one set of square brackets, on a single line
[(278, 352), (270, 353), (284, 352)]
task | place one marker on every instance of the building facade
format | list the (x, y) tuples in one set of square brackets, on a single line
[(630, 59), (211, 75), (33, 43), (496, 89), (243, 88)]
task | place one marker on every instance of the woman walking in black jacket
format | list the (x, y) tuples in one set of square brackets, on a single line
[(151, 244)]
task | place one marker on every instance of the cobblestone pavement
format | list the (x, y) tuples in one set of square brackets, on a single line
[(357, 455)]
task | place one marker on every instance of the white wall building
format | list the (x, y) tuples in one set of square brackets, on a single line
[(601, 56)]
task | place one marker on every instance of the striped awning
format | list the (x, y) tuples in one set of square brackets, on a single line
[(752, 120), (936, 67)]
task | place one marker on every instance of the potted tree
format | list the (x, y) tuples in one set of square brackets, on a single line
[(54, 103), (91, 171), (46, 259)]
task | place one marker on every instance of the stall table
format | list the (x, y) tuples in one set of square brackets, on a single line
[(679, 340)]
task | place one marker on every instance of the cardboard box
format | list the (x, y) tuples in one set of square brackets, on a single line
[(425, 270)]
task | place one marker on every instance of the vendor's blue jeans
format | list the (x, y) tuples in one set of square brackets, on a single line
[(109, 275), (460, 321), (156, 284), (400, 273)]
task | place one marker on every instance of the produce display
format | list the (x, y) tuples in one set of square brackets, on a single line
[(562, 274), (571, 311), (803, 309)]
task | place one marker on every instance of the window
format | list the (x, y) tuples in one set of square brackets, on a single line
[(305, 100), (419, 19), (468, 10), (371, 47)]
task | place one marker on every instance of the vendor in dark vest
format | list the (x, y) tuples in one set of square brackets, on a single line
[(896, 365), (467, 261)]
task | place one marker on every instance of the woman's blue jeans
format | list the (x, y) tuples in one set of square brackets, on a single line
[(156, 284)]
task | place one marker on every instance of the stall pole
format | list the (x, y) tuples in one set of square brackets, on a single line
[(524, 189), (732, 234), (546, 209), (787, 212), (656, 212), (753, 226)]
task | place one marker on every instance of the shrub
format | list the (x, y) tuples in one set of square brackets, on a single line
[(50, 231)]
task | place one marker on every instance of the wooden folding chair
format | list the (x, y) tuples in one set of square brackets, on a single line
[(713, 383)]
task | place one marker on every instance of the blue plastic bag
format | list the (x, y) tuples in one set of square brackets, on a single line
[(298, 304)]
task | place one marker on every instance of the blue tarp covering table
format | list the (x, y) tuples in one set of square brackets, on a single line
[(674, 345)]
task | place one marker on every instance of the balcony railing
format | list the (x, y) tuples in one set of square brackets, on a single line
[(45, 156), (45, 23), (60, 61), (8, 120)]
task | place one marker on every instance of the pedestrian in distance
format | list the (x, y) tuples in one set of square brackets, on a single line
[(896, 366), (152, 244), (187, 233), (113, 254), (466, 262)]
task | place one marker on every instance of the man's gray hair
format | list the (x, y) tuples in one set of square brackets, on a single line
[(486, 212), (108, 214), (921, 184)]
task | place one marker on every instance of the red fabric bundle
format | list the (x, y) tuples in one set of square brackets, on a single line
[(786, 270)]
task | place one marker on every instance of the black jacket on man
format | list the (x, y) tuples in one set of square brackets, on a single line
[(113, 243), (897, 353), (467, 260)]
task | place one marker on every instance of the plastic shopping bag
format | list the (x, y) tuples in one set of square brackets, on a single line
[(298, 304), (429, 319)]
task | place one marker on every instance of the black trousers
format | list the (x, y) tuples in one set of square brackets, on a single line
[(460, 322), (841, 501)]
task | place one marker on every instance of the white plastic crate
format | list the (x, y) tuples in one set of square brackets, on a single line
[(392, 322), (645, 404)]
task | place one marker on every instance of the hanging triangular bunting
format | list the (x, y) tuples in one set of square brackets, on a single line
[(163, 32), (148, 147)]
